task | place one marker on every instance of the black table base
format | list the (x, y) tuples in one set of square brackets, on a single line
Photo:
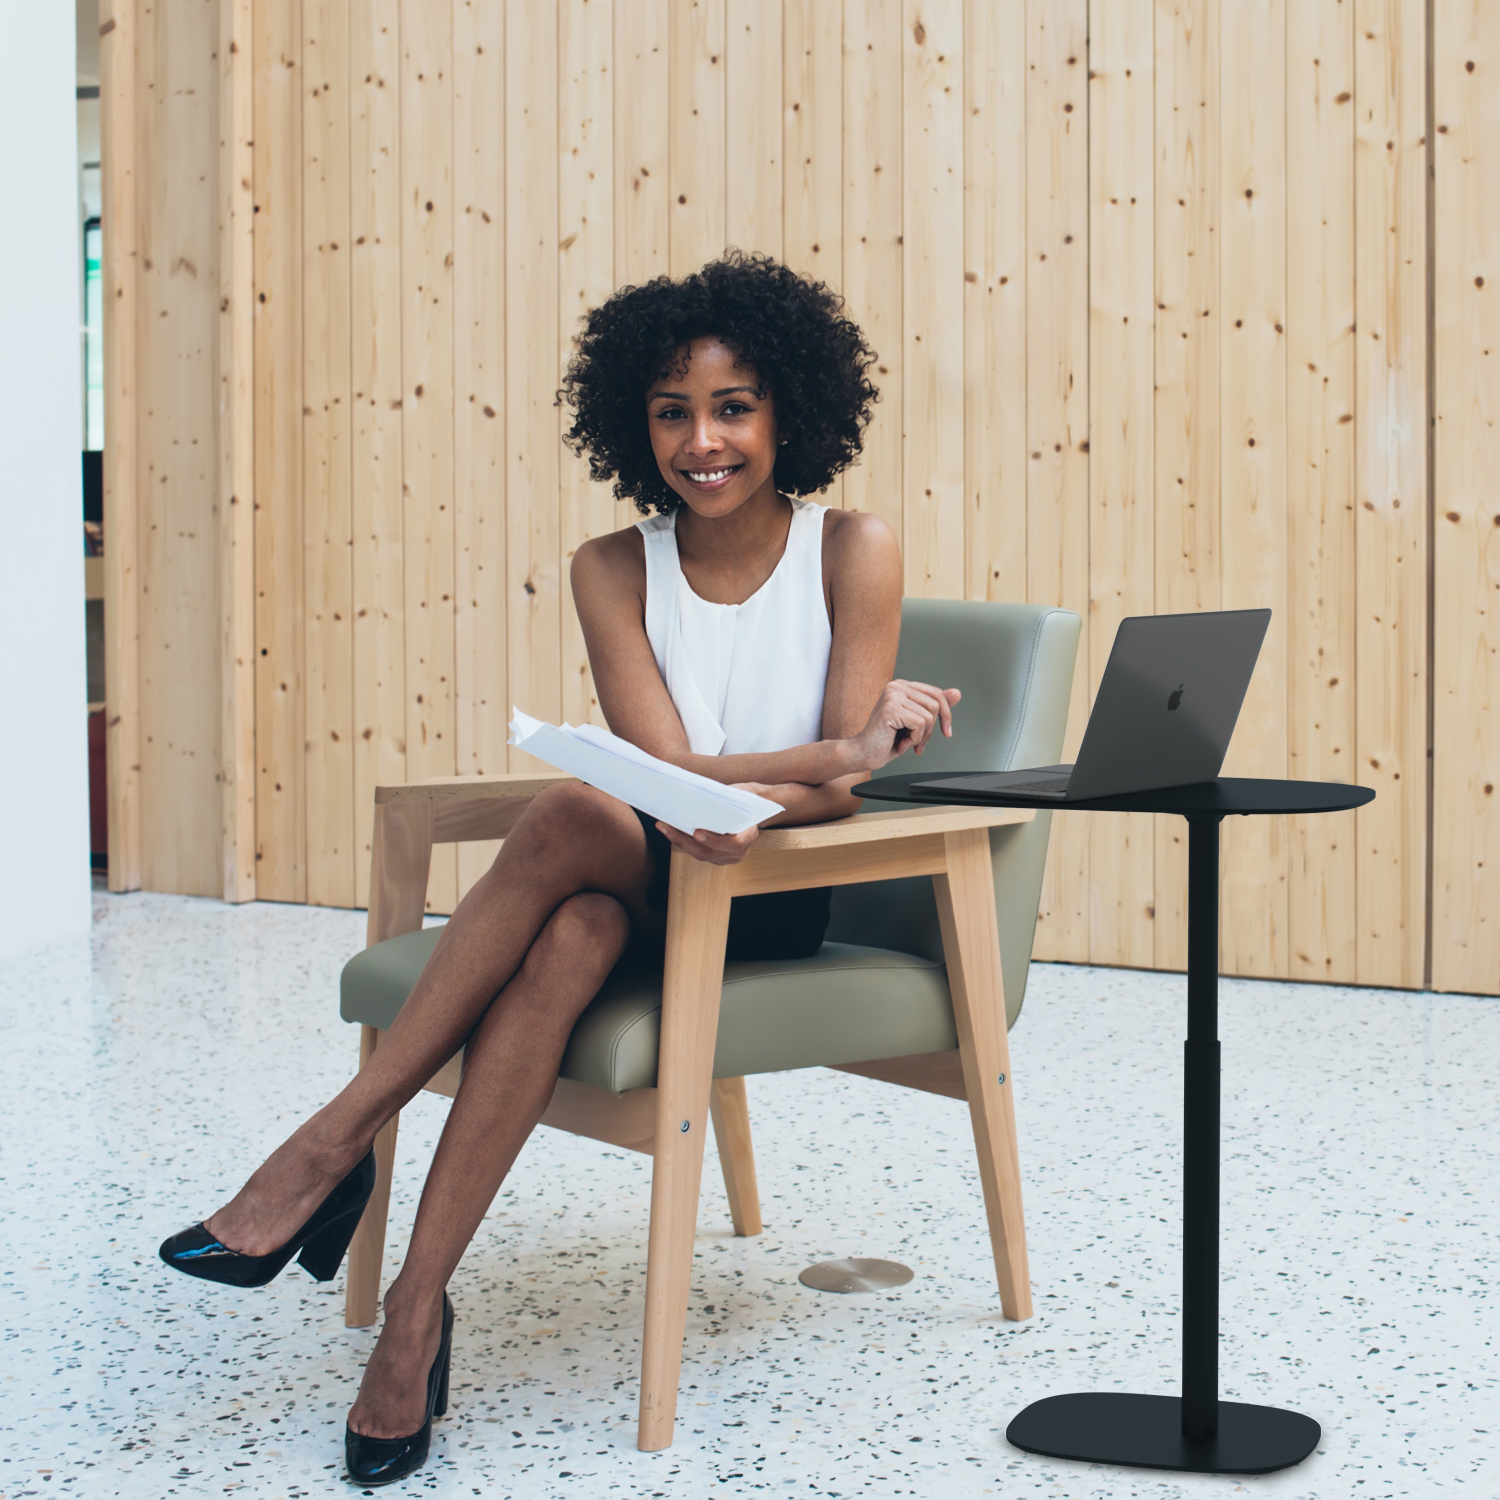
[(1196, 1433), (1145, 1432)]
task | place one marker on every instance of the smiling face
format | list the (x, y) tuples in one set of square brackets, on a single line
[(713, 429)]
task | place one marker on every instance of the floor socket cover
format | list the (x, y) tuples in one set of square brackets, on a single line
[(856, 1275)]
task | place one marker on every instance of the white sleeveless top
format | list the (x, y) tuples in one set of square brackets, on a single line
[(744, 677)]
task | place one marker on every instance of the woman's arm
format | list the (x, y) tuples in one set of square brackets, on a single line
[(609, 590), (862, 576), (862, 571)]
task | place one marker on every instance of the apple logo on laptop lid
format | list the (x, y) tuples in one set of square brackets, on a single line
[(1175, 699)]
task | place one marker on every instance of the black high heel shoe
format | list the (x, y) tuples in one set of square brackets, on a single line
[(322, 1241), (385, 1460)]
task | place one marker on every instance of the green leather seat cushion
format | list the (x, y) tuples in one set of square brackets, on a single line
[(846, 1004)]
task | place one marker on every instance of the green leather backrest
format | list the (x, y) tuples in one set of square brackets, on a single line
[(1014, 666)]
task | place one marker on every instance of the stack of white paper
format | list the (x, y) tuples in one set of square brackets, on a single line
[(682, 799)]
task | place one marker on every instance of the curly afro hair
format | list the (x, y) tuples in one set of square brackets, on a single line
[(787, 328)]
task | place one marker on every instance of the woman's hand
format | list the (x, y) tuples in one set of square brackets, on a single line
[(712, 848), (905, 718)]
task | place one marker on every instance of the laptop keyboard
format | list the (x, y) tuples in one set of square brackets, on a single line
[(1043, 784)]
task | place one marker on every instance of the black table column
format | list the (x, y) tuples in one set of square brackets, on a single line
[(1200, 1139), (1195, 1432)]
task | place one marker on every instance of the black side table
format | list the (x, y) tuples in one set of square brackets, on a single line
[(1197, 1432)]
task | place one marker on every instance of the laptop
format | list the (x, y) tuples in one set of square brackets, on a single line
[(1166, 709)]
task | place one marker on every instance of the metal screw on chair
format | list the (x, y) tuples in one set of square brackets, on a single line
[(1001, 1078), (684, 1127)]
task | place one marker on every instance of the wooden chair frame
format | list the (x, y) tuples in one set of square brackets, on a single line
[(669, 1122)]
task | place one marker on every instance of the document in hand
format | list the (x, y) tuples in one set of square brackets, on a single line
[(681, 799)]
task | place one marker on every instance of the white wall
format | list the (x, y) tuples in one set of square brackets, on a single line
[(44, 837)]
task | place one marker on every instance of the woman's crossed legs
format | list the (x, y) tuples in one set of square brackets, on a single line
[(524, 953)]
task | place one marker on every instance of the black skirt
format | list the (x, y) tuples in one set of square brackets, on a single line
[(779, 924)]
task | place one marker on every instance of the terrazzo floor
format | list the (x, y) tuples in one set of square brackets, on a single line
[(146, 1076)]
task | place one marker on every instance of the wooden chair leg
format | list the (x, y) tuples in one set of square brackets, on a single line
[(731, 1116), (367, 1248), (971, 944), (697, 924)]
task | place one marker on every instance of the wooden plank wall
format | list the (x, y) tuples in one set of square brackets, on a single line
[(175, 567), (1466, 515), (236, 444), (123, 170), (1157, 325)]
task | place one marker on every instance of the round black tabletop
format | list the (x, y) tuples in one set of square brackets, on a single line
[(1228, 796)]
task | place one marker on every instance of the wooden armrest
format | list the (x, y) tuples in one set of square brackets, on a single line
[(461, 809), (470, 788), (466, 808), (410, 819), (897, 823), (868, 846), (458, 809)]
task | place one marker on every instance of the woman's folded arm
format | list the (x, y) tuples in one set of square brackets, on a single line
[(809, 804)]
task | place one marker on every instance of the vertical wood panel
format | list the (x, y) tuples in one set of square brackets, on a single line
[(1322, 877), (482, 705), (696, 136), (585, 278), (813, 204), (1253, 494), (1391, 485), (237, 448), (753, 102), (1466, 656), (642, 126), (872, 239), (375, 361), (531, 371), (1187, 370), (642, 94), (1057, 372), (1121, 468), (994, 301), (932, 299), (178, 474), (280, 700), (427, 424), (121, 185), (813, 111), (326, 475)]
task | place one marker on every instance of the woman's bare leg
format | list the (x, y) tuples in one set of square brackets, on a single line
[(509, 1072), (571, 839)]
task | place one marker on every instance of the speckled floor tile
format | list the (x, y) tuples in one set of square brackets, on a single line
[(144, 1078)]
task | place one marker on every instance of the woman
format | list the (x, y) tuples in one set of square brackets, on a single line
[(738, 632)]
